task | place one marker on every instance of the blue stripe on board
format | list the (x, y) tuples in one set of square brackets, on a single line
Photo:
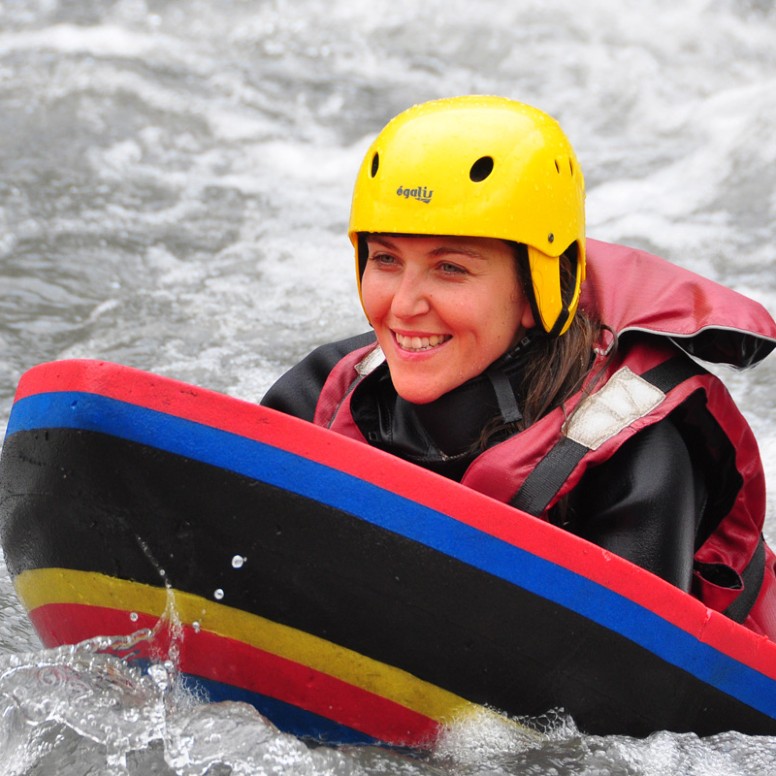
[(286, 717), (403, 516)]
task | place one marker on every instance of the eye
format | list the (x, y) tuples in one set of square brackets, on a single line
[(382, 259), (452, 269)]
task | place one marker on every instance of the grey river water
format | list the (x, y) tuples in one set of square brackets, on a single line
[(174, 191)]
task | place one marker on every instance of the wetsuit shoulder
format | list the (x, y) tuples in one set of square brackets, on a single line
[(644, 503), (297, 391)]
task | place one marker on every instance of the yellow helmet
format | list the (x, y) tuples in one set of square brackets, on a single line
[(479, 166)]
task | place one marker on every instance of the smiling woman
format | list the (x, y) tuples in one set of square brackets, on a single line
[(443, 309), (495, 365)]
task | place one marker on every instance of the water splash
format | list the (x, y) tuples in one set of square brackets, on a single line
[(553, 746), (78, 700), (76, 710)]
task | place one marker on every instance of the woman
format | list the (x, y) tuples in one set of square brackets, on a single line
[(493, 364)]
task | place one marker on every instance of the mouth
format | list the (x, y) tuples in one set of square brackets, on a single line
[(415, 344)]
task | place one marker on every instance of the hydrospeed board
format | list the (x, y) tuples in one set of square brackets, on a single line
[(348, 595)]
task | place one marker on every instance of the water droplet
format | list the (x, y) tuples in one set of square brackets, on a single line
[(133, 616), (196, 626), (237, 561), (159, 676), (218, 594)]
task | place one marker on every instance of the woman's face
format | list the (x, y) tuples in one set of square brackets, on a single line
[(443, 308)]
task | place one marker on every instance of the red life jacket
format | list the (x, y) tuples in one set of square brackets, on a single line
[(637, 295)]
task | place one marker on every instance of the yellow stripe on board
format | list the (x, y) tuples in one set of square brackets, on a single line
[(38, 587)]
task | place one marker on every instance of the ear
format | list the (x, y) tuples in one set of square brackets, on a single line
[(527, 319)]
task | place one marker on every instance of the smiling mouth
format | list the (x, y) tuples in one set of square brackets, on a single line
[(418, 344)]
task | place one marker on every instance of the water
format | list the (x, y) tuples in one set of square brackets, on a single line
[(174, 190)]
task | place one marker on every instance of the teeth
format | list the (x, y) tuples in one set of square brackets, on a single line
[(421, 343)]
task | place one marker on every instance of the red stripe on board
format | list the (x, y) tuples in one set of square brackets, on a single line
[(423, 487), (241, 665)]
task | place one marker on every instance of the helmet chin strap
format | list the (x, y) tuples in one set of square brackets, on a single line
[(505, 394), (502, 387)]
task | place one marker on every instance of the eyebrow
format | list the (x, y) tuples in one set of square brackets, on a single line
[(442, 250)]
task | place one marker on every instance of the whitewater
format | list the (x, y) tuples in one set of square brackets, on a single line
[(175, 182)]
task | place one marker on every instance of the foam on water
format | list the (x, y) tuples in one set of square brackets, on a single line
[(76, 710), (174, 195)]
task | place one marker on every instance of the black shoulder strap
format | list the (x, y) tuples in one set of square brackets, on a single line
[(752, 576)]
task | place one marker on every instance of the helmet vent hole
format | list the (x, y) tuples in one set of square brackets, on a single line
[(557, 166), (375, 164), (571, 166), (481, 169)]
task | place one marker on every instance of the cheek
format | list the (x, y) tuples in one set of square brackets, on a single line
[(369, 295), (504, 322), (376, 298)]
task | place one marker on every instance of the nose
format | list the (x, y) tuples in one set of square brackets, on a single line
[(411, 297)]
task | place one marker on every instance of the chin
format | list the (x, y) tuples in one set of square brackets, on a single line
[(417, 395), (423, 399)]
